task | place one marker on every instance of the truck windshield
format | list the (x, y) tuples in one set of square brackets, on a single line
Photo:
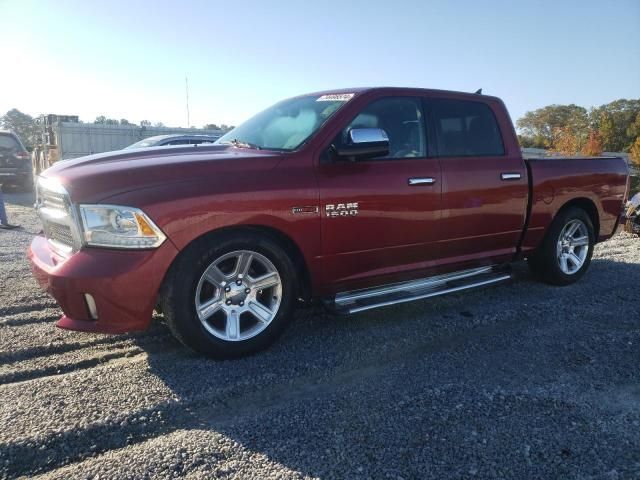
[(286, 125)]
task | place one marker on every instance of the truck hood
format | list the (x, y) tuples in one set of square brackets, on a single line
[(96, 177)]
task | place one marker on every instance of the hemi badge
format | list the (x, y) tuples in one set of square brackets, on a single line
[(303, 210)]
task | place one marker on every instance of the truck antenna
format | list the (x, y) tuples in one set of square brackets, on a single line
[(479, 91)]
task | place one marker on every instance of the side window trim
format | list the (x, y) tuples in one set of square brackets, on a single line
[(430, 130)]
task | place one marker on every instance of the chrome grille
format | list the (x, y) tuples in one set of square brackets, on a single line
[(58, 233), (52, 200), (57, 216)]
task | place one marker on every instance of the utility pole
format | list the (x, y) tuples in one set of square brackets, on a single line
[(186, 84)]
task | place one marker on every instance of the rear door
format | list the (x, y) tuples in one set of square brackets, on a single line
[(379, 216), (484, 178)]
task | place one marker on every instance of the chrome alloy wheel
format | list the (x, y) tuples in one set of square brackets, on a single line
[(573, 246), (238, 295)]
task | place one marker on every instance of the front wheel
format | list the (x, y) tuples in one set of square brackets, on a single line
[(230, 296), (565, 253)]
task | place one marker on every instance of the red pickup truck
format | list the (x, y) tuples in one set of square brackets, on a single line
[(361, 198)]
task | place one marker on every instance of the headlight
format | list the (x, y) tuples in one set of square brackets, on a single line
[(119, 227)]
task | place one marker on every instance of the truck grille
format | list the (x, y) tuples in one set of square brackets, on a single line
[(55, 212), (53, 200), (58, 233)]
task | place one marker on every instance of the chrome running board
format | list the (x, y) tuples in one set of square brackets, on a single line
[(361, 300)]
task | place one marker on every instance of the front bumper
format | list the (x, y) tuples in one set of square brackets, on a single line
[(123, 283)]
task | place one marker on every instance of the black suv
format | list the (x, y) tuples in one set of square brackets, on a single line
[(15, 161)]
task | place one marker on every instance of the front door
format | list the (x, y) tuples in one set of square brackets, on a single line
[(380, 216)]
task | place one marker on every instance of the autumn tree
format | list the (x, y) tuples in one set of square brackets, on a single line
[(526, 142), (538, 127), (593, 144), (633, 131), (634, 153), (565, 141), (616, 121), (607, 130), (617, 125)]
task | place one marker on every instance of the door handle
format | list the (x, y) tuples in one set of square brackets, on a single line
[(510, 176), (413, 182)]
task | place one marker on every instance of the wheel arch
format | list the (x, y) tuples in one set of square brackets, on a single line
[(293, 250), (589, 207), (544, 260), (285, 241)]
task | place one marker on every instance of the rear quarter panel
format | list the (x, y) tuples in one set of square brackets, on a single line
[(557, 181)]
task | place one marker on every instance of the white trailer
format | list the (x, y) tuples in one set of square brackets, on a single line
[(63, 138)]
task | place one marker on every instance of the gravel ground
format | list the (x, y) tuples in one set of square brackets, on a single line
[(517, 381)]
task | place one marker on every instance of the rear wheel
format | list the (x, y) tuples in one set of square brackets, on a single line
[(230, 296), (565, 253)]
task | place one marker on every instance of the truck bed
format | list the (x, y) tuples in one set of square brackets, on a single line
[(599, 184)]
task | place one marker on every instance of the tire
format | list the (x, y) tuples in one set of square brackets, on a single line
[(564, 257), (233, 320)]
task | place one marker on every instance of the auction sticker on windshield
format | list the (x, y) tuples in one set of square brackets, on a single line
[(335, 97)]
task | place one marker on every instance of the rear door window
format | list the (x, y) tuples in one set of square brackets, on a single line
[(465, 128)]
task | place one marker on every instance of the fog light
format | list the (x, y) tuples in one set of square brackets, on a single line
[(91, 305)]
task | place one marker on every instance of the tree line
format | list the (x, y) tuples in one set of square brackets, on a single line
[(24, 125), (146, 123), (572, 129)]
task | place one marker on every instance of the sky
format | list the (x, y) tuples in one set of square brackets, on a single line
[(129, 59)]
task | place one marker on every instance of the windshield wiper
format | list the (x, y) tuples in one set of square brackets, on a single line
[(240, 144)]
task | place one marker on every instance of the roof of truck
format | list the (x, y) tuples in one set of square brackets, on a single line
[(359, 90)]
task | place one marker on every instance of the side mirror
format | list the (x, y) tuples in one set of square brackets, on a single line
[(364, 143)]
